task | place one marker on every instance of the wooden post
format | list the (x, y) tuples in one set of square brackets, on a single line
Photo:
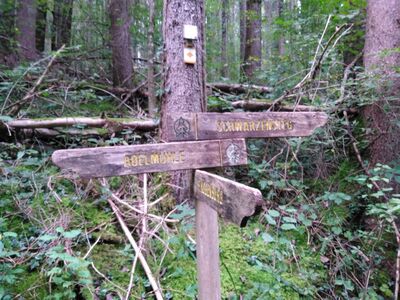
[(207, 250)]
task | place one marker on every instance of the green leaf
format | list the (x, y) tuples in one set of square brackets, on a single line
[(288, 226), (10, 234), (47, 238), (337, 230), (267, 237), (71, 234), (270, 220), (289, 220), (274, 213), (5, 118)]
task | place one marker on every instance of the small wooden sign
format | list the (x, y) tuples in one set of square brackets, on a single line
[(136, 159), (210, 126), (233, 201)]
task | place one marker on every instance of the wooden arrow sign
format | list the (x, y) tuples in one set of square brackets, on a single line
[(210, 126), (233, 201), (136, 159)]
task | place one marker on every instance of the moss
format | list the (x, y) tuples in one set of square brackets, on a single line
[(98, 107), (31, 285), (115, 262), (247, 268)]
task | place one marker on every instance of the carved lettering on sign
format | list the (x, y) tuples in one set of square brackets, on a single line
[(155, 158), (213, 126), (138, 159), (252, 126), (211, 191)]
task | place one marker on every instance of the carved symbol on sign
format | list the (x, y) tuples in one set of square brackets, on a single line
[(182, 128), (233, 153)]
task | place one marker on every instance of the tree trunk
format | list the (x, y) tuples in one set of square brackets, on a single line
[(7, 19), (41, 25), (49, 25), (26, 29), (252, 53), (268, 13), (381, 60), (281, 41), (62, 22), (121, 43), (242, 29), (224, 39), (150, 68), (184, 84)]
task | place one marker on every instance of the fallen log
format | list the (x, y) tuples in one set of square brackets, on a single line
[(256, 105), (144, 125), (237, 88)]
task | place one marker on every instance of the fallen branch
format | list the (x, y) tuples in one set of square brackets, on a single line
[(16, 107), (145, 125), (316, 64), (256, 105), (238, 88)]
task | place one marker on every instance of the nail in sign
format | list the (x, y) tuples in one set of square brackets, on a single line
[(233, 200), (136, 159)]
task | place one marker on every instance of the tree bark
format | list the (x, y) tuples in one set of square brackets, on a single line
[(41, 25), (49, 26), (224, 38), (381, 60), (268, 14), (122, 64), (281, 41), (152, 99), (252, 52), (62, 22), (26, 29), (242, 29), (7, 32), (184, 84)]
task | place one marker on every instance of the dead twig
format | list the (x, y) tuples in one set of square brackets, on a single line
[(31, 93), (153, 282)]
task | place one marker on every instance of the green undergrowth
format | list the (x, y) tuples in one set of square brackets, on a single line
[(251, 267)]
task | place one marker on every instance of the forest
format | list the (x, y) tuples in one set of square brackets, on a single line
[(88, 75)]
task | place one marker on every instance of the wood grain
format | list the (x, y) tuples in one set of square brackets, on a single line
[(209, 126), (136, 159), (207, 252), (234, 201)]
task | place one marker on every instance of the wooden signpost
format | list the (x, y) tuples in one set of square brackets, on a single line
[(212, 126), (137, 159), (235, 202), (216, 140)]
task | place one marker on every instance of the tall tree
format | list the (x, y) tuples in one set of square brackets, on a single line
[(252, 51), (268, 15), (150, 66), (184, 84), (62, 21), (7, 19), (122, 64), (242, 14), (26, 29), (224, 38), (281, 39), (41, 25), (381, 59)]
